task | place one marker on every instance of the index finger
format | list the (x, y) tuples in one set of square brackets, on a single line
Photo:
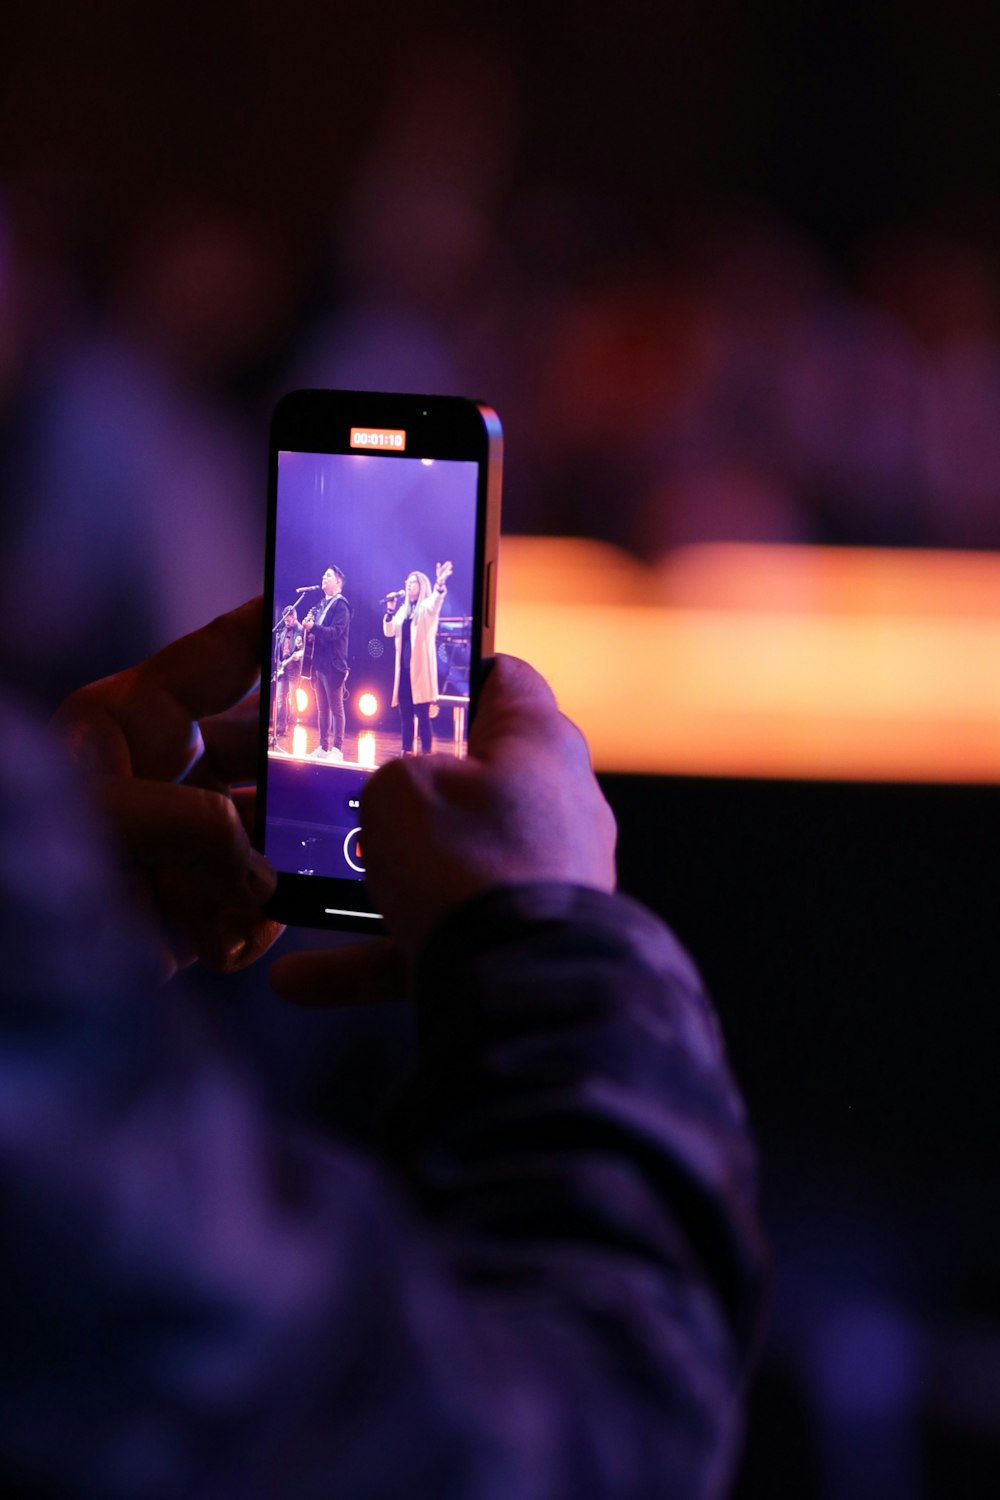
[(212, 668), (144, 720), (231, 745)]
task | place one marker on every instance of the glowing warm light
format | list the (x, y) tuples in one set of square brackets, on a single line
[(368, 705), (366, 749), (427, 462), (301, 700), (299, 741), (831, 663)]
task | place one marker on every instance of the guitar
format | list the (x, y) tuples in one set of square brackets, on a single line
[(287, 661), (308, 648), (309, 651)]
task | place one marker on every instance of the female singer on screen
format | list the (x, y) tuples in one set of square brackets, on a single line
[(413, 624)]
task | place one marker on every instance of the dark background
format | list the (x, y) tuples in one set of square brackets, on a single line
[(727, 272), (846, 934), (846, 121)]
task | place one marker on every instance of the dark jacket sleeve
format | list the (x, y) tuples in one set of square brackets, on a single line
[(333, 633), (546, 1289), (332, 638), (575, 1133), (338, 624)]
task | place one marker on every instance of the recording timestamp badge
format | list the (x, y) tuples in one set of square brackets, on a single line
[(378, 437)]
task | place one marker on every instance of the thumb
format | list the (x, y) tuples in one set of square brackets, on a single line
[(512, 700), (517, 709)]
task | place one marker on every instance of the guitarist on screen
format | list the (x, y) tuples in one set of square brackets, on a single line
[(287, 661)]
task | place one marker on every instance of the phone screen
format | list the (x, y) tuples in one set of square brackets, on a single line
[(376, 601)]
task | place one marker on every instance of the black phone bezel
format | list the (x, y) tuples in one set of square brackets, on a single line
[(320, 421)]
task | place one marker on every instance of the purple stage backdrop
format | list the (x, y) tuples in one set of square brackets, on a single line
[(377, 518)]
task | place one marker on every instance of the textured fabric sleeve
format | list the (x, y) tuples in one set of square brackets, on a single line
[(339, 622), (576, 1134), (547, 1292)]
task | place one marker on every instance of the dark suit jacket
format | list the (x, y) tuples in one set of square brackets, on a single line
[(332, 637)]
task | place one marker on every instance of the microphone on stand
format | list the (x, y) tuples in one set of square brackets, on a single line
[(309, 588)]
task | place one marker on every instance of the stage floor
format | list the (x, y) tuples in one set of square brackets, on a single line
[(367, 749)]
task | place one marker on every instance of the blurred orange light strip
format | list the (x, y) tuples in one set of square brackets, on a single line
[(769, 661)]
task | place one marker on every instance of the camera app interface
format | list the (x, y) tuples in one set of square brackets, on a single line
[(373, 593)]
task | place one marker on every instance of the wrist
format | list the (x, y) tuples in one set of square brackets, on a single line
[(530, 916), (488, 913)]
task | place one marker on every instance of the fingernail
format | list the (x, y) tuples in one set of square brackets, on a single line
[(261, 877), (226, 950)]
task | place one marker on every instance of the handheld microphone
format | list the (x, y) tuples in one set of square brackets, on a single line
[(392, 594)]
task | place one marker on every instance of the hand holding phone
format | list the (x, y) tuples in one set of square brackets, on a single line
[(524, 807), (170, 743)]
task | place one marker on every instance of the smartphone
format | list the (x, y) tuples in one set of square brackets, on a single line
[(380, 586)]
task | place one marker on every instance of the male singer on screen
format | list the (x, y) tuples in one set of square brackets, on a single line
[(414, 626), (330, 629)]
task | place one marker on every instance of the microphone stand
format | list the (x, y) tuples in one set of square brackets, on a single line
[(272, 735)]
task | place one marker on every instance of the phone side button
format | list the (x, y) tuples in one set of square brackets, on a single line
[(490, 599)]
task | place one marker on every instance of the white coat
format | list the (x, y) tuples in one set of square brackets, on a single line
[(423, 625)]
